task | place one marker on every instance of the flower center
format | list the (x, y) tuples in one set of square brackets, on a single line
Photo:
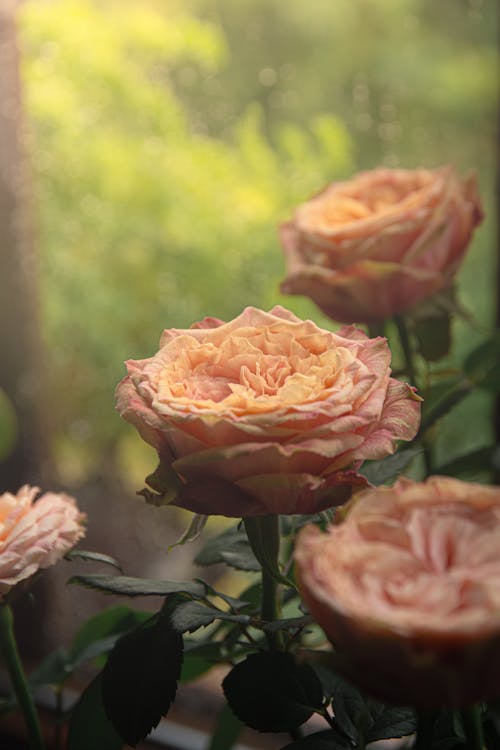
[(254, 370)]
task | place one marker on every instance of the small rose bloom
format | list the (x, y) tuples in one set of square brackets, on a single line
[(407, 589), (266, 413), (380, 242), (35, 534)]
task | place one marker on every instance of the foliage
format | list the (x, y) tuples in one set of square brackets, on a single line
[(167, 149)]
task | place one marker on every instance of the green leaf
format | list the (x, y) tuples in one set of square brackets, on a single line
[(390, 722), (53, 670), (290, 623), (140, 678), (227, 731), (269, 692), (128, 586), (470, 464), (114, 621), (441, 398), (198, 659), (264, 536), (482, 365), (235, 604), (433, 335), (363, 720), (348, 703), (291, 524), (387, 469), (231, 547), (329, 739), (82, 554), (193, 531), (89, 727), (189, 616)]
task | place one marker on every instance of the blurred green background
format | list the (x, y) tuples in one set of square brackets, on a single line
[(169, 139)]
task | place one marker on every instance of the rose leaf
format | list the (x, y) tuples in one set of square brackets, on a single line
[(89, 727), (140, 678), (269, 692)]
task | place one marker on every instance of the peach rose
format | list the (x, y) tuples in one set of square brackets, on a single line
[(407, 588), (380, 242), (35, 535), (267, 413)]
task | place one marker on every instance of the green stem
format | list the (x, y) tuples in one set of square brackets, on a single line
[(404, 338), (13, 663), (471, 719), (411, 371), (264, 537)]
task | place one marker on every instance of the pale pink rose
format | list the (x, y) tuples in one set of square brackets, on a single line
[(380, 242), (35, 534), (266, 413), (407, 589)]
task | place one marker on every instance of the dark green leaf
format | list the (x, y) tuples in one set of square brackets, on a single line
[(352, 714), (198, 659), (433, 335), (390, 722), (82, 554), (253, 595), (227, 730), (269, 692), (128, 586), (387, 469), (291, 524), (290, 623), (193, 531), (231, 547), (89, 727), (482, 365), (111, 622), (189, 616), (264, 536), (470, 464), (441, 399), (235, 604), (329, 739), (140, 678)]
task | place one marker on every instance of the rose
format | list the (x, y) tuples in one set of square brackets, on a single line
[(266, 413), (407, 588), (35, 535), (380, 242)]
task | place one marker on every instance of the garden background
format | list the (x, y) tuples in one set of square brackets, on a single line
[(165, 142)]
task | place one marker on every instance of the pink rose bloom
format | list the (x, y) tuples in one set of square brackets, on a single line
[(266, 413), (407, 589), (35, 535), (380, 242)]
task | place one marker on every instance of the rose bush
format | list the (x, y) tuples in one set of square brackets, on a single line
[(35, 534), (266, 413), (380, 242), (407, 588)]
